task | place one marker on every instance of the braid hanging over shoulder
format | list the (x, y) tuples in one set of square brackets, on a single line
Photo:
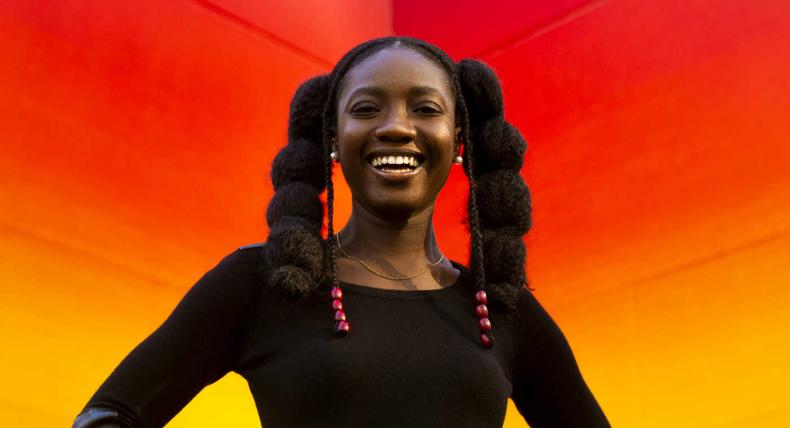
[(504, 203), (295, 214)]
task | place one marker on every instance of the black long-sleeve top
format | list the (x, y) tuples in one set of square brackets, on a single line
[(412, 358)]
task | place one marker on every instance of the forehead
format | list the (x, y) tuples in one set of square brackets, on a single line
[(396, 68)]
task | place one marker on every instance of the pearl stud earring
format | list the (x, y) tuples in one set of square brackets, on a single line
[(458, 159), (333, 156)]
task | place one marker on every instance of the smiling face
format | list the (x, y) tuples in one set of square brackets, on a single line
[(396, 132)]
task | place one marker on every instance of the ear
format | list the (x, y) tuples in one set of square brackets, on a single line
[(458, 141)]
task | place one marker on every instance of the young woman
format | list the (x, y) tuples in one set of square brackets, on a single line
[(373, 326)]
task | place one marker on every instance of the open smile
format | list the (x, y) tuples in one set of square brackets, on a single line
[(395, 166)]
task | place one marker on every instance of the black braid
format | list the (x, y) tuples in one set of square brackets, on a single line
[(295, 253), (503, 197), (477, 261), (327, 131), (330, 205)]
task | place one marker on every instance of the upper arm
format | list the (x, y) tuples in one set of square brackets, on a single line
[(548, 388), (195, 346)]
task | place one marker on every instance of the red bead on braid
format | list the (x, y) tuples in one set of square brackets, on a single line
[(484, 323), (342, 326)]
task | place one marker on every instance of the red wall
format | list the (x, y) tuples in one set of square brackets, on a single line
[(658, 160)]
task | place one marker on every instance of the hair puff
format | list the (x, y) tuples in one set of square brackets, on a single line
[(498, 145), (286, 223), (504, 201), (481, 90), (296, 282), (299, 160), (504, 296), (505, 256), (307, 106), (295, 200), (300, 249)]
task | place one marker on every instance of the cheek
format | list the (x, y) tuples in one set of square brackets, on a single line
[(442, 141), (352, 137)]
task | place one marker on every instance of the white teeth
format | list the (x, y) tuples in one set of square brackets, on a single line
[(395, 160)]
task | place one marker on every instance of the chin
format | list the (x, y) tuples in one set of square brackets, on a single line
[(394, 209)]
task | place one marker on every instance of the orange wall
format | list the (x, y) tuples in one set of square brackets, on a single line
[(133, 132), (658, 160)]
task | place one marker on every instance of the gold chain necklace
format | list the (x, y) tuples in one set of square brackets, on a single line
[(383, 275)]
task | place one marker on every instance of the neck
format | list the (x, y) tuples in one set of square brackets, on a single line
[(402, 244)]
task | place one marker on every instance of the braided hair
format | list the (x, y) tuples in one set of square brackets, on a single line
[(301, 261)]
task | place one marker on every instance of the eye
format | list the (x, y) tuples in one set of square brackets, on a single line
[(363, 109), (428, 109)]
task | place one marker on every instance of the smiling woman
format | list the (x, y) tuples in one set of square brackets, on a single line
[(385, 120), (396, 114)]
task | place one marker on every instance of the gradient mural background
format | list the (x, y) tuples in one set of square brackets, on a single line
[(137, 137)]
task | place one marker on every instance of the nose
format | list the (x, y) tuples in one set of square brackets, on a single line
[(396, 128)]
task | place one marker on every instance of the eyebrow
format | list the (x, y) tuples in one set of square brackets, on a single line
[(369, 90), (378, 91), (425, 90)]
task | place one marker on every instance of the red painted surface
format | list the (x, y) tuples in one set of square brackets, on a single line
[(319, 27), (660, 166), (658, 161), (473, 28)]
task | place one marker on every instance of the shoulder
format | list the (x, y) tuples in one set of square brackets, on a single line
[(258, 245), (534, 320), (252, 253), (237, 266), (528, 304), (240, 258), (254, 256)]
